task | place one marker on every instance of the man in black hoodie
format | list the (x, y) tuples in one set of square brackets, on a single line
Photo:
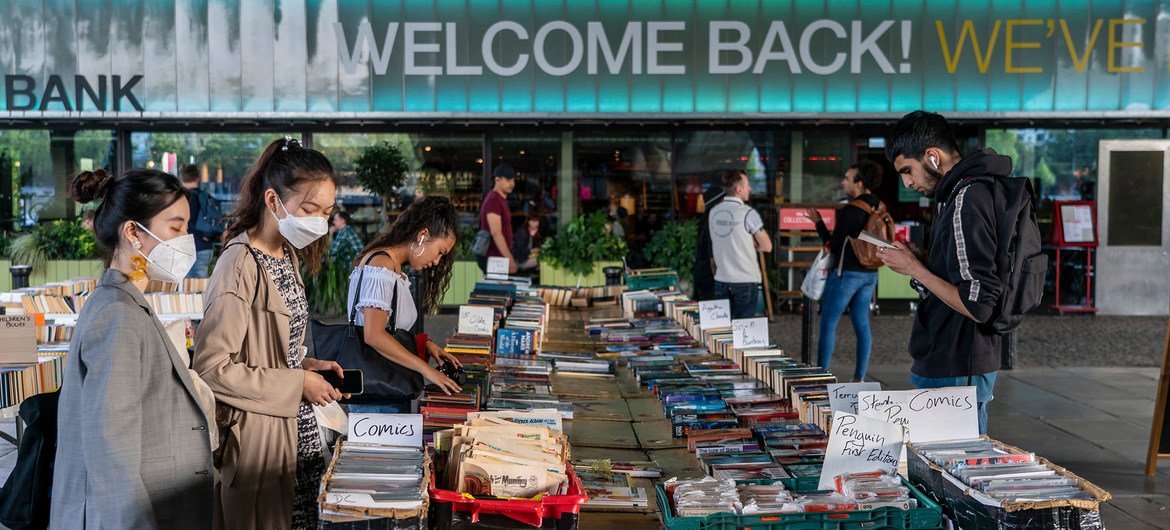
[(958, 279)]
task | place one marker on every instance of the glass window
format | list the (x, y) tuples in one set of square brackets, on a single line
[(537, 160), (1062, 162), (37, 166), (1135, 198), (824, 158), (223, 158), (703, 157), (448, 165), (628, 176)]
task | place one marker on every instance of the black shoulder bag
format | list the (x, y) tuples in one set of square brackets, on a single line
[(385, 380)]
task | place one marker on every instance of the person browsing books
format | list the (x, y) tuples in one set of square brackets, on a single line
[(134, 449), (958, 279), (737, 233), (850, 284), (495, 215), (251, 347), (421, 237)]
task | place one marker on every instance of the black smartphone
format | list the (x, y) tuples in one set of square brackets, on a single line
[(352, 384)]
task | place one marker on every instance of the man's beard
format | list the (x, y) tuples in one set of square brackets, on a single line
[(935, 177)]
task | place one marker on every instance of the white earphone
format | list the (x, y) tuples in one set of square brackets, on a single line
[(934, 161)]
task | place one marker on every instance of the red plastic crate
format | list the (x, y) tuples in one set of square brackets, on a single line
[(532, 512)]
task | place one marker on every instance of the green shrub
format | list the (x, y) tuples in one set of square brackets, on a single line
[(583, 242), (63, 240), (673, 246)]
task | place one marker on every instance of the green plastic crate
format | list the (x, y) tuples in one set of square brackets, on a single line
[(662, 281), (927, 516)]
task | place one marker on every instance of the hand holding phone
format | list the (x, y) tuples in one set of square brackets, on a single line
[(353, 382)]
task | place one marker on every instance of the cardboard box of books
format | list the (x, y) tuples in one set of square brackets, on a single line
[(372, 481), (986, 473)]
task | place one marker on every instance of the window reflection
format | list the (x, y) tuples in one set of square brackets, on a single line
[(536, 159), (37, 166), (629, 177)]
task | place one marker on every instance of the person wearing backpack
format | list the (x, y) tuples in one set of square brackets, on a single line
[(206, 220), (985, 269), (851, 282)]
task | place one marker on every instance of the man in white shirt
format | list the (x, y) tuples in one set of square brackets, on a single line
[(737, 233)]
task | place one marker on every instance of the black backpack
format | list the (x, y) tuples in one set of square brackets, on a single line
[(209, 225), (25, 500), (1021, 264)]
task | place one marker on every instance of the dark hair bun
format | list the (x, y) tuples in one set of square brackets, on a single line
[(90, 185)]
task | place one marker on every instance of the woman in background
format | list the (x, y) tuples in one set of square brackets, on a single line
[(526, 242), (251, 345), (134, 449)]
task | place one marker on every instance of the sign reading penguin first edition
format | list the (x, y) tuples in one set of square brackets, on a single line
[(715, 314), (858, 445), (386, 429)]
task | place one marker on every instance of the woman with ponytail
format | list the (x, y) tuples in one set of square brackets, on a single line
[(134, 449), (422, 238), (251, 346)]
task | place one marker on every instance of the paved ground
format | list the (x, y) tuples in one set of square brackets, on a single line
[(1082, 397)]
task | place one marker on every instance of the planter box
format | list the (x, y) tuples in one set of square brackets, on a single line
[(464, 274), (53, 271), (552, 276)]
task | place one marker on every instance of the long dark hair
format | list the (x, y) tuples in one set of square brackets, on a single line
[(138, 195), (285, 166), (438, 216)]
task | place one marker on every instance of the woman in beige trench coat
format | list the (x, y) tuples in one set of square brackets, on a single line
[(250, 345)]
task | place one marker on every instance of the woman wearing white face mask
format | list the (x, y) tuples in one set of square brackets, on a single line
[(134, 449), (251, 346)]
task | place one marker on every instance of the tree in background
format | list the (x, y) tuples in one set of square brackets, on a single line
[(381, 169)]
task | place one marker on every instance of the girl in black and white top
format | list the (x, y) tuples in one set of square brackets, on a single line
[(421, 237)]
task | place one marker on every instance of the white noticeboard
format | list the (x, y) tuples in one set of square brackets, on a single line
[(749, 333), (715, 314), (476, 320), (386, 429), (843, 396), (497, 267), (929, 414), (858, 444)]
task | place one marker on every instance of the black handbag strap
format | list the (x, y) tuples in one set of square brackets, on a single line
[(358, 293)]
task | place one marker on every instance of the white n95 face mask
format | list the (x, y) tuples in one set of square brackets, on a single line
[(301, 231), (170, 260)]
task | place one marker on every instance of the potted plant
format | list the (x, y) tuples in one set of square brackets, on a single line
[(582, 248), (57, 251), (465, 272), (673, 246), (328, 288), (381, 169)]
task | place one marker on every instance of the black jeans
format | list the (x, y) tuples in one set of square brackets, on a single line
[(743, 296)]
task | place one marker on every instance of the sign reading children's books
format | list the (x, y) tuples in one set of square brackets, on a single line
[(386, 429), (929, 414), (749, 333), (476, 320), (858, 444), (18, 339), (715, 314)]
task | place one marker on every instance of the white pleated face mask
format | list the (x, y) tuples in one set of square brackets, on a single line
[(169, 260), (301, 231)]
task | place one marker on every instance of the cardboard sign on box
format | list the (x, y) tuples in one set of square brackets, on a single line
[(18, 339)]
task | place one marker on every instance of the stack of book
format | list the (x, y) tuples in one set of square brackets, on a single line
[(175, 303), (582, 296), (493, 456), (369, 481), (19, 382), (442, 411), (1001, 472)]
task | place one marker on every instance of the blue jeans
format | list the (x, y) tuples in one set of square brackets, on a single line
[(743, 297), (202, 263), (853, 289), (984, 390)]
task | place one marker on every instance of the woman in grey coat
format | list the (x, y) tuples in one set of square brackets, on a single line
[(134, 449)]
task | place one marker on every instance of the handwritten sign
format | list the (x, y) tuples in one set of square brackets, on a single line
[(928, 414), (858, 444), (749, 333), (18, 339), (843, 396), (715, 314), (476, 320), (497, 267), (386, 429), (365, 500)]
